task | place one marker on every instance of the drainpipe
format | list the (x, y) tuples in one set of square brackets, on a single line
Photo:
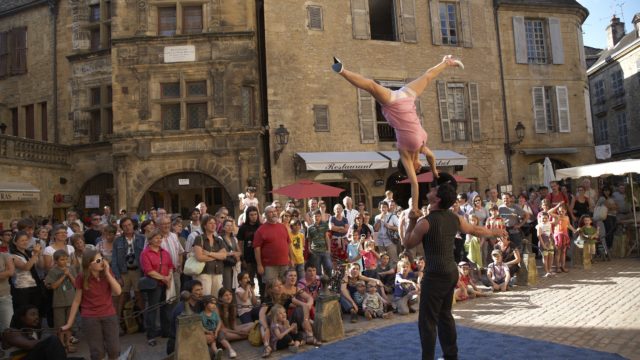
[(53, 7), (262, 73), (507, 147)]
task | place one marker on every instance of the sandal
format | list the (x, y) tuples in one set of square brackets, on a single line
[(266, 352), (311, 340)]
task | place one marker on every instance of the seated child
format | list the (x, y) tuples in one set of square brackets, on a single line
[(498, 272), (386, 273), (212, 326), (373, 304), (466, 287), (283, 334), (360, 294), (405, 292), (370, 257)]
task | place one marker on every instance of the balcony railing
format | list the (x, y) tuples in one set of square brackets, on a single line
[(16, 148)]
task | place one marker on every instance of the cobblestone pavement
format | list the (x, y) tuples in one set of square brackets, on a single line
[(597, 309)]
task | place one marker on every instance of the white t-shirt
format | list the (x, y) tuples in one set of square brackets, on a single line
[(22, 279), (49, 250), (544, 228), (250, 202), (243, 306)]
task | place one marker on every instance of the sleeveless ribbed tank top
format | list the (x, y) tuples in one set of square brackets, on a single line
[(438, 242)]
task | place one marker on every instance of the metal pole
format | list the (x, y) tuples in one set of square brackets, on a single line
[(636, 245)]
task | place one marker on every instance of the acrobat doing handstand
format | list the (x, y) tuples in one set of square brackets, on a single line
[(398, 107)]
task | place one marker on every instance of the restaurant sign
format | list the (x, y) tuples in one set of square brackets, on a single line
[(19, 195)]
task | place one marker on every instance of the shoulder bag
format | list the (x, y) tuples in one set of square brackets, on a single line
[(193, 267), (146, 283), (393, 235)]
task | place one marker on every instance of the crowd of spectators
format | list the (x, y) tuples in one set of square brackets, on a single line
[(265, 266)]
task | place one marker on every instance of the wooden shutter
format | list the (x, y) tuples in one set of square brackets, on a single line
[(444, 110), (360, 19), (367, 113), (321, 117), (4, 54), (315, 17), (539, 115), (465, 20), (583, 60), (587, 109), (18, 50), (474, 110), (29, 121), (557, 50), (520, 40), (434, 9), (562, 98), (44, 124), (408, 21)]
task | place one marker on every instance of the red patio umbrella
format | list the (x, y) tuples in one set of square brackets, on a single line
[(427, 177), (304, 189)]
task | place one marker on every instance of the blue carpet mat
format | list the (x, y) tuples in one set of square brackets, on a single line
[(401, 341)]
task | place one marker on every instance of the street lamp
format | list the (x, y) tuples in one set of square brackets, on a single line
[(282, 139)]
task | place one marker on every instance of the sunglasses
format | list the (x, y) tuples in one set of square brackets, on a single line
[(98, 260)]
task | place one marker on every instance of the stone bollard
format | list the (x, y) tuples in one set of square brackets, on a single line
[(524, 273), (327, 325), (190, 340)]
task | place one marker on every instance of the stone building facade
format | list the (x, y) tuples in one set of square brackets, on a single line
[(156, 105), (333, 126), (614, 79)]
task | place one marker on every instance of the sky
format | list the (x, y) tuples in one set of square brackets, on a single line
[(600, 12)]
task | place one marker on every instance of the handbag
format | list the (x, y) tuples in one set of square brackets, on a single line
[(230, 260), (600, 213), (193, 267), (147, 283), (393, 235), (255, 337)]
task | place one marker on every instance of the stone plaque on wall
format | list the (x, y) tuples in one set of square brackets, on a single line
[(184, 53), (178, 146)]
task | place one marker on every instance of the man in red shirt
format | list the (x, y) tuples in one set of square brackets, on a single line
[(556, 196), (271, 244)]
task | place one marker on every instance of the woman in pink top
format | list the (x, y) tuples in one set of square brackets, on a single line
[(100, 324), (398, 107)]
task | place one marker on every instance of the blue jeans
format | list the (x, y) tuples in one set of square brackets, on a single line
[(154, 297), (324, 259)]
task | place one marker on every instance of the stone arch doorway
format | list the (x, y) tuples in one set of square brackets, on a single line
[(180, 192), (96, 193)]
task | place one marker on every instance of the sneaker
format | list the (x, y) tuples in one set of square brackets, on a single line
[(337, 65), (546, 275), (232, 354), (354, 317), (218, 354), (74, 340), (294, 349), (152, 342)]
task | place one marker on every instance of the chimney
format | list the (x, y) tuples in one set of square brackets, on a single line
[(615, 32), (636, 24)]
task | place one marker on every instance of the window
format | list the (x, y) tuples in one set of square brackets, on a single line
[(100, 112), (167, 21), (459, 111), (4, 54), (44, 123), (15, 123), (190, 94), (247, 105), (387, 20), (551, 109), (180, 19), (99, 27), (321, 117), (538, 41), (617, 83), (603, 131), (314, 17), (598, 92), (449, 23), (192, 19), (385, 132), (623, 130)]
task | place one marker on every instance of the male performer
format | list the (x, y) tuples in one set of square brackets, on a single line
[(437, 232)]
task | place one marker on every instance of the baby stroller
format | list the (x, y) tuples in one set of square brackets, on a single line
[(602, 251)]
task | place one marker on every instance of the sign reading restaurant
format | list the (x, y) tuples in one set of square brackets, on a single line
[(19, 195)]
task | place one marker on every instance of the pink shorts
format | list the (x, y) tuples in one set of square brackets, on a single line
[(562, 240)]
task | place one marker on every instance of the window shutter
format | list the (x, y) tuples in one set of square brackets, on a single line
[(520, 40), (583, 60), (474, 107), (4, 53), (321, 117), (19, 55), (315, 17), (465, 20), (587, 109), (557, 50), (539, 117), (367, 113), (434, 9), (444, 111), (360, 19), (408, 21), (562, 97)]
